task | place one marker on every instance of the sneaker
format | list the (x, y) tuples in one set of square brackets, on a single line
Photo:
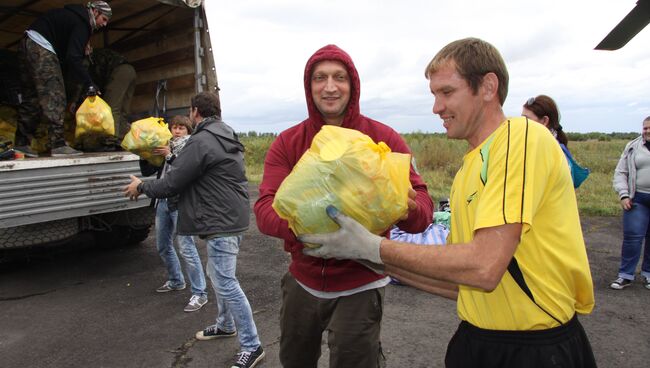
[(26, 150), (167, 286), (248, 359), (646, 282), (65, 151), (196, 302), (213, 332), (620, 283)]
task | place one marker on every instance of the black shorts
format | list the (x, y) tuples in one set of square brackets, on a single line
[(565, 346)]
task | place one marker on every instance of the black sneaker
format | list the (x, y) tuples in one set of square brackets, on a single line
[(620, 283), (249, 359), (213, 332)]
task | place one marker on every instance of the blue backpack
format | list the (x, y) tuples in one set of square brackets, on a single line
[(578, 173)]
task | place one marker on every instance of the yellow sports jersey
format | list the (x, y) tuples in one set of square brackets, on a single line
[(520, 175)]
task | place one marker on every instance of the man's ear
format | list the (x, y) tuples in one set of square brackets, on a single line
[(490, 86)]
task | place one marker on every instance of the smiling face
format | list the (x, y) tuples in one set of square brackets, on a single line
[(330, 90), (460, 109)]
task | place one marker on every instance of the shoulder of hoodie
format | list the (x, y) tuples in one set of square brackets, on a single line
[(374, 129), (220, 128)]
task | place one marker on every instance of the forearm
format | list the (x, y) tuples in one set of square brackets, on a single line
[(480, 263), (268, 221), (437, 287), (451, 263)]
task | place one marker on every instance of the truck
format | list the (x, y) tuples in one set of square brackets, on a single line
[(50, 200)]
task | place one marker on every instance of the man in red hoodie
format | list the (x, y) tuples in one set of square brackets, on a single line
[(342, 297)]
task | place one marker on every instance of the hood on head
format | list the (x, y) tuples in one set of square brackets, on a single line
[(333, 52)]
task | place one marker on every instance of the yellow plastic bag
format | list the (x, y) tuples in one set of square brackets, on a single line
[(7, 123), (41, 139), (345, 168), (94, 122), (144, 136)]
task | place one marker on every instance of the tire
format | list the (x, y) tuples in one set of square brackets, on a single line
[(121, 235), (38, 234)]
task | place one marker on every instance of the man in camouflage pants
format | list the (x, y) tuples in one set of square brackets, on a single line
[(55, 40), (116, 79)]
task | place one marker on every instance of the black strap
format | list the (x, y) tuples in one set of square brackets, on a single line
[(518, 276), (161, 92)]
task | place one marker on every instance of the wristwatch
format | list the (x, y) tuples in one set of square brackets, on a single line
[(139, 187)]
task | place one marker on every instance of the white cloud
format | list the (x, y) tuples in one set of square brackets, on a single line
[(260, 50)]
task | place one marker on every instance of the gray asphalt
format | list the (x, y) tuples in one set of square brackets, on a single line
[(79, 306)]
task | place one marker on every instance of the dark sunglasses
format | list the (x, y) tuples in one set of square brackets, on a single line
[(531, 101)]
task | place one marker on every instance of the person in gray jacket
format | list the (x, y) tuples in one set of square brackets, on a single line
[(210, 179), (632, 183)]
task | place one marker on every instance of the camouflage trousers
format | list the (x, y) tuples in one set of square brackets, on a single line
[(118, 93), (43, 93)]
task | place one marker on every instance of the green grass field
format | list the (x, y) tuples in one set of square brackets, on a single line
[(438, 159)]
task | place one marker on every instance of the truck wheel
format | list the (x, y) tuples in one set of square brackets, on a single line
[(121, 235), (38, 234), (136, 236)]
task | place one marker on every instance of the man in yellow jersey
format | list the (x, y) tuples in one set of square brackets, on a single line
[(516, 252)]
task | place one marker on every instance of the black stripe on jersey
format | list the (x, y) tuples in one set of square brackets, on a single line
[(505, 179), (523, 182)]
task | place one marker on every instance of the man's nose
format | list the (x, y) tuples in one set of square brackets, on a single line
[(437, 107), (330, 86)]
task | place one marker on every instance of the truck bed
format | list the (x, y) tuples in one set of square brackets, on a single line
[(49, 188)]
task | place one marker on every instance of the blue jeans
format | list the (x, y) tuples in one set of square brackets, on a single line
[(234, 310), (165, 233), (635, 229)]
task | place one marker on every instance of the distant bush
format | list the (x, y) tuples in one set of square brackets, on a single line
[(579, 137), (438, 159)]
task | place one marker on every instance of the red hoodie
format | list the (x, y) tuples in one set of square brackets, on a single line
[(320, 274)]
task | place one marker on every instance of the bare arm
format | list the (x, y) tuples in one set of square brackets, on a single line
[(437, 287), (480, 263)]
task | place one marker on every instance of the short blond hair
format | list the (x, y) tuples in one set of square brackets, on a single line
[(473, 59)]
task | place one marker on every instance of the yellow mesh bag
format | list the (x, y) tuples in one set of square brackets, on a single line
[(144, 136), (345, 168), (94, 122)]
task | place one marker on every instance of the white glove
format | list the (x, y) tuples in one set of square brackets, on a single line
[(351, 241)]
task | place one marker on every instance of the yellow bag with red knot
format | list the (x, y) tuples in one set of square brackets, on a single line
[(94, 122), (144, 136), (345, 168)]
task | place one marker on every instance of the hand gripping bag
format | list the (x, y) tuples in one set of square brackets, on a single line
[(144, 136), (345, 168), (94, 122)]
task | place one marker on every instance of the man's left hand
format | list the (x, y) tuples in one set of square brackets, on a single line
[(131, 190), (351, 241)]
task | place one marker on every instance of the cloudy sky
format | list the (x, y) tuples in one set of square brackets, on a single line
[(261, 47)]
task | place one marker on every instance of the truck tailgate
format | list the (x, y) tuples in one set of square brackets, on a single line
[(46, 189)]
